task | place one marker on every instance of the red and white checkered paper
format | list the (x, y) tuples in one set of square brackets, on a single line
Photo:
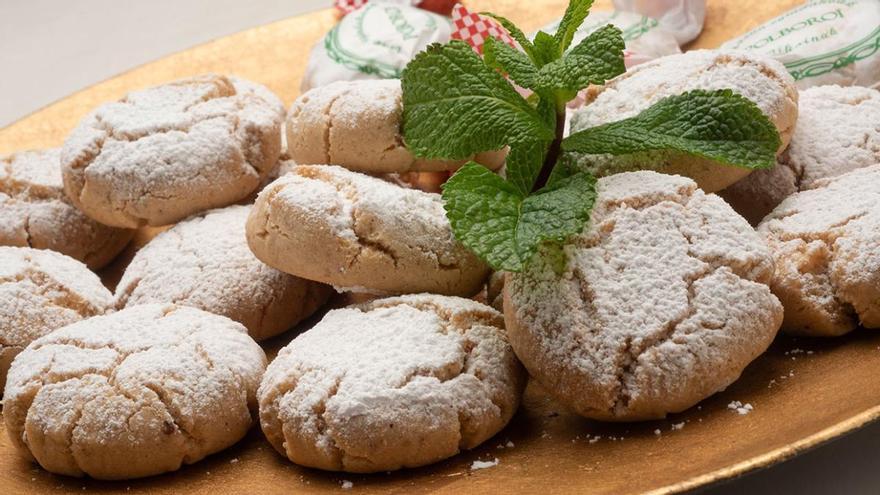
[(442, 7), (474, 28), (346, 7)]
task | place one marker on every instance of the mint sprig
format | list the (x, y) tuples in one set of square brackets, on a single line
[(456, 104)]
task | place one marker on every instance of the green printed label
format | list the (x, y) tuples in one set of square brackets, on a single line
[(380, 39), (812, 40)]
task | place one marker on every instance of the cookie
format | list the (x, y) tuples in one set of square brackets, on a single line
[(350, 230), (398, 382), (135, 393), (204, 262), (662, 302), (35, 212), (762, 80), (357, 125), (495, 291), (836, 132), (161, 154), (42, 291), (826, 243)]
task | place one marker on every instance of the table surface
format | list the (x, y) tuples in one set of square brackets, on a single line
[(50, 49)]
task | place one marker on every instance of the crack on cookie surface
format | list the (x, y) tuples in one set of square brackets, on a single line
[(36, 380), (610, 364)]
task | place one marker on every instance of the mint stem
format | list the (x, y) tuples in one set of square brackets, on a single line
[(552, 152)]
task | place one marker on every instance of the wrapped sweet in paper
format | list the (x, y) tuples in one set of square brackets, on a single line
[(375, 41), (681, 18), (823, 42)]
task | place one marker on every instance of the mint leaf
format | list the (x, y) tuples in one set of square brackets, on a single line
[(718, 125), (524, 161), (501, 56), (504, 227), (556, 212), (515, 33), (483, 210), (454, 105), (596, 59), (574, 16), (546, 49)]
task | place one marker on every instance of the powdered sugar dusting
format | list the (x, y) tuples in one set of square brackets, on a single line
[(35, 212), (430, 367), (824, 241), (836, 133), (361, 226), (665, 286), (156, 385), (162, 153), (740, 408), (357, 124), (205, 262), (478, 464), (762, 80), (41, 291)]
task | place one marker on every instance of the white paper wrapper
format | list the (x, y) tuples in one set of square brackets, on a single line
[(822, 42), (375, 41), (682, 18)]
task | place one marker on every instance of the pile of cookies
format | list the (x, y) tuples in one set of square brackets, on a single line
[(662, 301)]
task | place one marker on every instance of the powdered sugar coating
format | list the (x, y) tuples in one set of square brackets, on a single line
[(42, 291), (163, 153), (762, 80), (397, 382), (35, 212), (134, 393), (661, 303), (205, 262), (826, 242), (357, 124), (837, 132), (347, 229)]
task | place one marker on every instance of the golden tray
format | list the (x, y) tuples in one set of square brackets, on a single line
[(801, 399)]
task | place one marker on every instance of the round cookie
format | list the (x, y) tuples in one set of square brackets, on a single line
[(204, 262), (353, 231), (161, 154), (35, 212), (135, 393), (762, 80), (357, 125), (661, 303), (826, 243), (398, 382), (42, 291), (836, 132)]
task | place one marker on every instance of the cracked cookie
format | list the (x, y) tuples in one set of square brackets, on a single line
[(204, 262), (762, 80), (837, 132), (163, 153), (35, 212), (351, 230), (826, 242), (356, 124), (662, 301), (42, 291), (394, 383), (134, 393)]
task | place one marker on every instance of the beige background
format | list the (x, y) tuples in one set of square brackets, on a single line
[(49, 49)]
